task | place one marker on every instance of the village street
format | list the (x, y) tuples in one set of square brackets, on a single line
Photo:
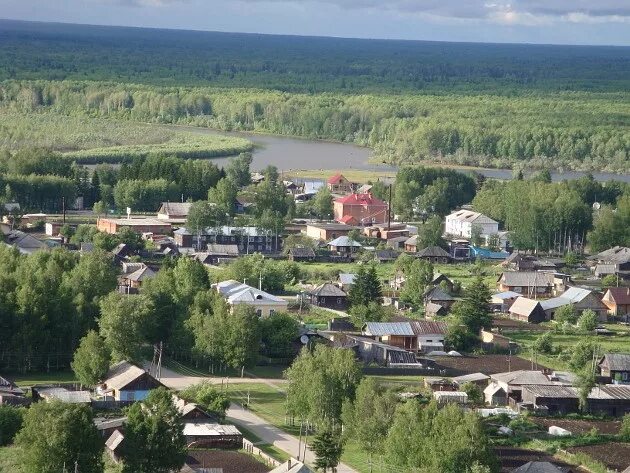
[(238, 415)]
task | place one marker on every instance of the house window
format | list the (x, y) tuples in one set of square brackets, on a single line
[(259, 312), (271, 312), (338, 300), (429, 341), (624, 376)]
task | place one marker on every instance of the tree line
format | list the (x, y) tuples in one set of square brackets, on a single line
[(572, 130)]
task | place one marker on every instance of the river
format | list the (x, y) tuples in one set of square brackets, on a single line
[(288, 154)]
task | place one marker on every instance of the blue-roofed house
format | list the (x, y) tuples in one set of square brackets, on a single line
[(344, 245)]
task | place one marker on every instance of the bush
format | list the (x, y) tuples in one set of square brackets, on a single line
[(588, 321), (10, 423), (208, 398), (624, 432), (543, 344)]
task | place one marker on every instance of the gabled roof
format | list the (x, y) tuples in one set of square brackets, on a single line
[(348, 220), (175, 208), (616, 361), (379, 329), (432, 252), (302, 252), (526, 278), (328, 290), (8, 386), (336, 178), (572, 295), (524, 306), (521, 377), (222, 250), (436, 293), (24, 241), (470, 216), (425, 327), (141, 274), (620, 295), (361, 199), (344, 241), (238, 293), (616, 254), (122, 374)]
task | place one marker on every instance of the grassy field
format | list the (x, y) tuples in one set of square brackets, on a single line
[(30, 379), (9, 460), (92, 140), (462, 272), (619, 342)]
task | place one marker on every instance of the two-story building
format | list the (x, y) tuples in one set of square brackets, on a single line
[(462, 222), (247, 239), (360, 209), (338, 184)]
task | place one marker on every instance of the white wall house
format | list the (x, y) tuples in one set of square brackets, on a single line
[(264, 304), (461, 224)]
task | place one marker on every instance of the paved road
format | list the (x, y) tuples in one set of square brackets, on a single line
[(177, 381), (259, 426), (273, 435)]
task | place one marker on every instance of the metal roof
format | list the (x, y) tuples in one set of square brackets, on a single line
[(524, 306), (469, 378), (527, 278), (202, 429), (617, 361), (521, 377), (425, 327), (379, 329), (553, 391), (65, 395), (344, 241)]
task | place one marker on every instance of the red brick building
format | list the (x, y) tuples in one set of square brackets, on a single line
[(138, 225), (361, 209)]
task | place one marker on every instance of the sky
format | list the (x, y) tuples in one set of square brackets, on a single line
[(598, 22)]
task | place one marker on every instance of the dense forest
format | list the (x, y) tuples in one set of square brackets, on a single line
[(302, 64), (571, 130), (469, 104)]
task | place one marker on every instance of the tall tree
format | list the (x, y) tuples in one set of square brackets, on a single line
[(154, 438), (224, 195), (328, 447), (91, 360), (125, 324), (57, 436), (203, 215), (366, 287), (237, 170), (417, 279)]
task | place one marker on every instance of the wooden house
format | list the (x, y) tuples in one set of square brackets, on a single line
[(338, 184), (527, 310), (344, 246), (615, 367), (301, 254), (528, 283), (330, 296), (127, 382), (617, 300), (434, 254)]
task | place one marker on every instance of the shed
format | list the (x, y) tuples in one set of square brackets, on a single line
[(527, 310), (301, 254), (210, 435), (450, 397)]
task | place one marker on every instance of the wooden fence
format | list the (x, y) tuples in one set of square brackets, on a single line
[(250, 448)]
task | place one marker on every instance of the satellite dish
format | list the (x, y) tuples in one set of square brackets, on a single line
[(597, 205), (304, 339)]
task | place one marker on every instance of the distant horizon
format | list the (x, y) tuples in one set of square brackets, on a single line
[(323, 36)]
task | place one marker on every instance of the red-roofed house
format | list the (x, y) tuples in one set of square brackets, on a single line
[(338, 184), (365, 209), (617, 299)]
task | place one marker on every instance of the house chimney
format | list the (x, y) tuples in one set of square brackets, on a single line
[(289, 464)]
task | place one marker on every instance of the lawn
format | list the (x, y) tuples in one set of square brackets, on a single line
[(619, 342), (9, 460), (30, 379)]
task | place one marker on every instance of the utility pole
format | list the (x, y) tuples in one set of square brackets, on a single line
[(63, 208), (389, 209)]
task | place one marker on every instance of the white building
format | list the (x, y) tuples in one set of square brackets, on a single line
[(264, 304), (462, 222)]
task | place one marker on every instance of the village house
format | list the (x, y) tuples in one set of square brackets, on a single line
[(263, 303), (360, 209), (127, 382), (415, 335), (442, 280), (346, 281), (527, 310), (617, 300), (434, 254), (212, 435), (386, 255), (325, 231), (504, 300), (247, 239), (617, 255), (607, 400), (530, 283), (338, 184), (330, 296), (26, 244), (135, 279), (301, 255), (580, 299), (437, 295), (462, 222), (522, 262), (174, 212), (11, 394), (344, 246), (217, 253), (372, 351), (615, 367), (505, 387), (137, 225)]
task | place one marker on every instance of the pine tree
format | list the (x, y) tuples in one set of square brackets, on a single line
[(327, 447)]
